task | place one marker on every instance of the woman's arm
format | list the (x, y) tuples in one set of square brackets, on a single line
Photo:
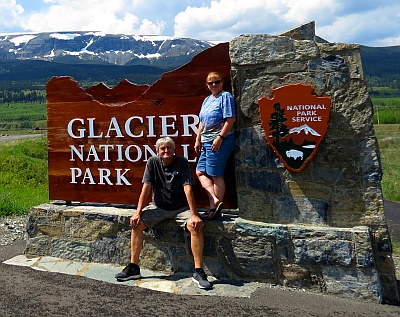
[(197, 144), (226, 129)]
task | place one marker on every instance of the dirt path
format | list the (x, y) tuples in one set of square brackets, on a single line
[(7, 137)]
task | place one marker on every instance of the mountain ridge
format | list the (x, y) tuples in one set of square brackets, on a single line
[(31, 59), (101, 48)]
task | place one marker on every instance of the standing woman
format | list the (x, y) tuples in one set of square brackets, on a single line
[(215, 141)]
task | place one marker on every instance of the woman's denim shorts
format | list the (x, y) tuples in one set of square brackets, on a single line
[(213, 162)]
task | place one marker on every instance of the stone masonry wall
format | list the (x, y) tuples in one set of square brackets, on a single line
[(340, 187), (322, 259)]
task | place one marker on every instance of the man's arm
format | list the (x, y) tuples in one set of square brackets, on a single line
[(197, 223), (144, 195)]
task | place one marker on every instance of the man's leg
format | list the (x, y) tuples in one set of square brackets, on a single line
[(197, 245), (137, 242), (132, 271)]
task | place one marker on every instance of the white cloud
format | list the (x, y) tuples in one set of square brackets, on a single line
[(90, 15), (303, 11), (9, 14), (388, 41), (228, 18), (222, 20), (148, 27), (336, 20), (378, 27), (370, 22)]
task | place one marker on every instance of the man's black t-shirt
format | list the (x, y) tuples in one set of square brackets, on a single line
[(168, 181)]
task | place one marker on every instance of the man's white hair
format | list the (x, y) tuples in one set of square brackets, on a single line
[(166, 140)]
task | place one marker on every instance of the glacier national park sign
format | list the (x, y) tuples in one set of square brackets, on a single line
[(294, 122), (99, 139)]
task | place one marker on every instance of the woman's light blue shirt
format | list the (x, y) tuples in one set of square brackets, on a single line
[(213, 114)]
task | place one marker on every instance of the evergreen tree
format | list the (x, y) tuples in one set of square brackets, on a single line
[(277, 123)]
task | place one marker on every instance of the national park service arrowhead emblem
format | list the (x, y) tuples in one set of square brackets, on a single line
[(294, 122)]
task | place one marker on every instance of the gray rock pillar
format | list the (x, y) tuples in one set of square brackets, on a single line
[(341, 186)]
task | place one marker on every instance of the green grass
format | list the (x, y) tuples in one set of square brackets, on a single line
[(386, 102), (23, 175), (386, 110), (389, 144), (395, 247), (20, 116)]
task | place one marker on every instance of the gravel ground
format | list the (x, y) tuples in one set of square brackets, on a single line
[(12, 229)]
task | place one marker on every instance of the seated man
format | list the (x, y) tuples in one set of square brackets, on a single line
[(169, 178)]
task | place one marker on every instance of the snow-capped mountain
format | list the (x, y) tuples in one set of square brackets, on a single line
[(305, 129), (96, 47)]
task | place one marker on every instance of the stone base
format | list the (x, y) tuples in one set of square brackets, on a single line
[(330, 260)]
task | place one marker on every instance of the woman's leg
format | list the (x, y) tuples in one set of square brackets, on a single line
[(219, 188), (210, 188)]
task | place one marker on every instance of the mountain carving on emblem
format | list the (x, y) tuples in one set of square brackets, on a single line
[(304, 128), (303, 135)]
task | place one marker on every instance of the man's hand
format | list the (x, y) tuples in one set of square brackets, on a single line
[(197, 223), (134, 220)]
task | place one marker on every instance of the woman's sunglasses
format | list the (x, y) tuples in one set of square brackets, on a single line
[(210, 83)]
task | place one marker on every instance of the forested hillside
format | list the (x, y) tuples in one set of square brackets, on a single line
[(29, 74), (382, 65)]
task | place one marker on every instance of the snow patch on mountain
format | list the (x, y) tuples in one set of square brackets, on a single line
[(99, 34), (64, 36), (22, 39), (152, 38), (156, 55)]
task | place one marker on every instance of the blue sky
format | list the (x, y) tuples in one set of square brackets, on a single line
[(367, 22)]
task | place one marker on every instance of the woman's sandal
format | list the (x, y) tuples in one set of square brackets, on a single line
[(205, 215), (215, 212)]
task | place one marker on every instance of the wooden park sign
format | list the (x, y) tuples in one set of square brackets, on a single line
[(294, 121), (99, 139)]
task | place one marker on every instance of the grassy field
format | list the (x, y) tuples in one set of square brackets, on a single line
[(23, 175), (22, 116), (386, 110), (389, 144), (386, 103)]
